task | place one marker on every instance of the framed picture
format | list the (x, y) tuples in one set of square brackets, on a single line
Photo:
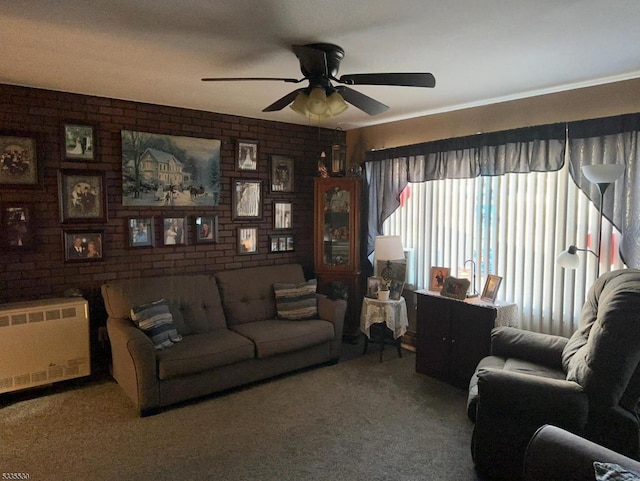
[(395, 289), (246, 199), (141, 231), (282, 174), (246, 155), (373, 286), (455, 288), (207, 229), (173, 231), (17, 225), (169, 171), (490, 291), (282, 215), (82, 196), (281, 243), (247, 240), (395, 270), (438, 275), (83, 245), (19, 160), (79, 141)]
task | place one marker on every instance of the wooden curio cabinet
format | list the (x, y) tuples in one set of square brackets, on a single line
[(337, 243)]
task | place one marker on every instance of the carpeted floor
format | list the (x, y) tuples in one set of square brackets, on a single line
[(356, 420)]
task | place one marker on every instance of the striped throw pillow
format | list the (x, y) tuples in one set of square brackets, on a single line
[(296, 301), (155, 320)]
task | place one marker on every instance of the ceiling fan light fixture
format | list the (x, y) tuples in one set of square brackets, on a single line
[(336, 104), (317, 103), (299, 105)]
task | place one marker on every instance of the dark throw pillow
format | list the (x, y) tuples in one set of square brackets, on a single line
[(155, 320), (296, 301)]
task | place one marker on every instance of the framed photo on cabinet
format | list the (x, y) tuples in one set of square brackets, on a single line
[(246, 155), (490, 291), (17, 225), (82, 196), (438, 275)]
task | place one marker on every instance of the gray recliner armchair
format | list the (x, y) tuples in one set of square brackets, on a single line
[(588, 384)]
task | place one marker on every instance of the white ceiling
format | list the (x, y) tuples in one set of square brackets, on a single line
[(157, 51)]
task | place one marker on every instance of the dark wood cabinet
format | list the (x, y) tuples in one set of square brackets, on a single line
[(337, 243), (452, 336)]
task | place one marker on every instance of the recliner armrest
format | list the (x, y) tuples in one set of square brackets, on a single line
[(545, 349)]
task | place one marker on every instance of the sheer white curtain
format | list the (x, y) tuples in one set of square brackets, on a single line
[(514, 226)]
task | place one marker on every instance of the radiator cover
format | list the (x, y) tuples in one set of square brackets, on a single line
[(42, 342)]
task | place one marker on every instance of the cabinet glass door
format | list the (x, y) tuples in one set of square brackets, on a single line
[(336, 229)]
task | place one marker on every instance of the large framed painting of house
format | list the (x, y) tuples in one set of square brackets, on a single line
[(168, 170)]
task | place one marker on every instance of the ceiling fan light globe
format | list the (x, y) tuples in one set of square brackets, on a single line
[(299, 105), (317, 103), (336, 104)]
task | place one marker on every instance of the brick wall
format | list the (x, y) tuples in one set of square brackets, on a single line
[(43, 271)]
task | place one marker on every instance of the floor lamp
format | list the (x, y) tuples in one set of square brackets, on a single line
[(603, 176)]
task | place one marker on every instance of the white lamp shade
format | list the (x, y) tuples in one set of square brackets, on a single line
[(388, 248), (603, 173), (568, 259)]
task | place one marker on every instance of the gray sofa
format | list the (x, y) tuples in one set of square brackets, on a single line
[(230, 334)]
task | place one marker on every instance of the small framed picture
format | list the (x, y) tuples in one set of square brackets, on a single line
[(455, 288), (290, 243), (438, 275), (141, 231), (173, 231), (207, 229), (246, 155), (17, 225), (395, 289), (490, 291), (373, 286), (19, 160), (282, 215), (82, 196), (246, 199), (281, 243), (79, 141), (83, 245), (247, 240), (282, 174)]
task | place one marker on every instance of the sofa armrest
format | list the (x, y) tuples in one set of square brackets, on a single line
[(554, 454), (134, 366), (545, 349)]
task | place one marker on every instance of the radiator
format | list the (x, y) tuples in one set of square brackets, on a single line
[(42, 342)]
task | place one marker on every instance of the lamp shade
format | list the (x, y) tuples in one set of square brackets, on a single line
[(568, 259), (388, 248), (603, 173)]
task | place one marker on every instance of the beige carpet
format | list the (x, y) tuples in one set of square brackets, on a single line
[(356, 420)]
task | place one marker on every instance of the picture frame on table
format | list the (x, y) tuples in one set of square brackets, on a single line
[(206, 229), (282, 174), (246, 155), (491, 286), (78, 141), (373, 286), (174, 231), (83, 245), (17, 226), (437, 277), (282, 215), (82, 196), (18, 159), (246, 199), (247, 240), (141, 231), (395, 289)]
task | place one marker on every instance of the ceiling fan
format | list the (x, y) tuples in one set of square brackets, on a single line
[(319, 63)]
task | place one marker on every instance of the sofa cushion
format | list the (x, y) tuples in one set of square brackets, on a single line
[(202, 352), (194, 300), (603, 354), (155, 320), (276, 336), (296, 301), (247, 294)]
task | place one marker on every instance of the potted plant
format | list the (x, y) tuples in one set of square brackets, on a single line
[(383, 292)]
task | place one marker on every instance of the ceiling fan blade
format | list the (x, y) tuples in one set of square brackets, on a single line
[(400, 79), (313, 61), (235, 79), (362, 101), (282, 102)]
